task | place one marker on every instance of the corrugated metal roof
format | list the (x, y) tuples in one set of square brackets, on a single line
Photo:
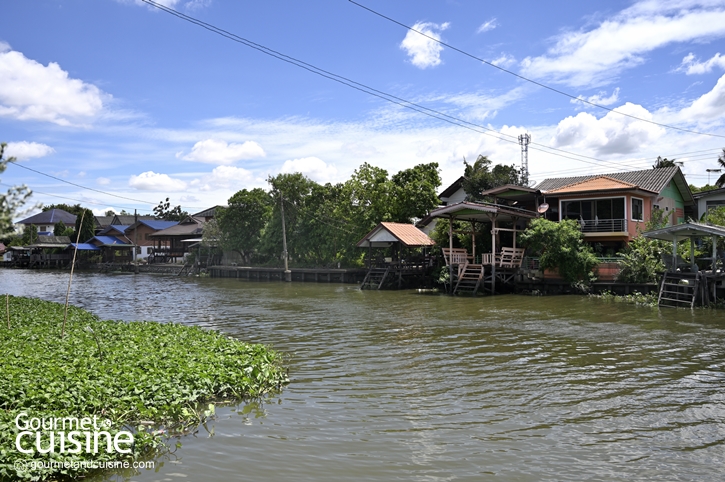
[(599, 183), (51, 216), (649, 179), (59, 240), (407, 234), (190, 226), (158, 224), (208, 213), (108, 240)]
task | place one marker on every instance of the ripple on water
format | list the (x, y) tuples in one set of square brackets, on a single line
[(397, 385)]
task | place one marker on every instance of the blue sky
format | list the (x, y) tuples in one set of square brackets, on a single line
[(119, 97)]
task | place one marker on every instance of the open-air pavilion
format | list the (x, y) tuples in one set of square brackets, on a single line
[(467, 271), (408, 256), (685, 282)]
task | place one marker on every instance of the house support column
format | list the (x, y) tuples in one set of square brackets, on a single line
[(450, 253)]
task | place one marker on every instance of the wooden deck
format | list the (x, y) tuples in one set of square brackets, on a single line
[(298, 274)]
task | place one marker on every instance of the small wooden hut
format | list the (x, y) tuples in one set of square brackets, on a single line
[(402, 254)]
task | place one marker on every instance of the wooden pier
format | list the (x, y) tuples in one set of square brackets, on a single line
[(298, 274)]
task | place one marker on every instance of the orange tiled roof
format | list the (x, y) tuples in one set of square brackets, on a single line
[(599, 183), (408, 234)]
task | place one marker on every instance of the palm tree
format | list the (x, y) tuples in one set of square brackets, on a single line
[(664, 162), (721, 160)]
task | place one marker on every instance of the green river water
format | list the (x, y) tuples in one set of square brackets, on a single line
[(401, 385)]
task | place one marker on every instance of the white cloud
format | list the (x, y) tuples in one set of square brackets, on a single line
[(598, 98), (151, 181), (710, 106), (4, 47), (224, 177), (424, 52), (189, 199), (487, 25), (597, 56), (27, 150), (31, 91), (690, 65), (611, 134), (312, 167), (214, 151), (103, 181), (504, 60)]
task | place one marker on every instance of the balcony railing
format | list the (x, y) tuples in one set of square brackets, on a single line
[(603, 225)]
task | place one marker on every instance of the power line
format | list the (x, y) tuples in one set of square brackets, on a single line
[(553, 89), (82, 187), (378, 93), (33, 191), (89, 189)]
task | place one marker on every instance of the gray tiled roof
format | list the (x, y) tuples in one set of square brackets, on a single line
[(649, 179)]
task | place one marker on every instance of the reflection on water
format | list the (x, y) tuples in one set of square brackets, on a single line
[(407, 386)]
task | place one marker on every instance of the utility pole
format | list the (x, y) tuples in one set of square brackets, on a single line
[(524, 140), (135, 240), (287, 272), (710, 171)]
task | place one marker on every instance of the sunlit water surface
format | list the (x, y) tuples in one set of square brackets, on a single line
[(425, 387)]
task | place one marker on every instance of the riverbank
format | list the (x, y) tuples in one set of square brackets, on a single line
[(143, 380)]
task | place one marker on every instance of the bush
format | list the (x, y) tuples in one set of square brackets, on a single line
[(561, 246)]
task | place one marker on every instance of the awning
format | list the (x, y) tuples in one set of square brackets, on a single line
[(685, 231)]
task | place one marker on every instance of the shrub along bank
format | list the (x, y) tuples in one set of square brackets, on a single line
[(140, 380)]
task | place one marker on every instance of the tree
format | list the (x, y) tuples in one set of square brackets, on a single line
[(560, 246), (75, 209), (660, 163), (642, 258), (414, 192), (12, 200), (479, 176), (167, 213), (721, 161), (242, 224), (88, 229)]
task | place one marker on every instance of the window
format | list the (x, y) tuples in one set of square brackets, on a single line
[(637, 209), (715, 204)]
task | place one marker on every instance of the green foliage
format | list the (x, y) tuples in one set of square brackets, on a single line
[(414, 192), (75, 209), (323, 222), (637, 298), (721, 161), (660, 163), (11, 201), (129, 373), (707, 187), (479, 176), (167, 213), (641, 260), (86, 231), (714, 216), (560, 246), (240, 226)]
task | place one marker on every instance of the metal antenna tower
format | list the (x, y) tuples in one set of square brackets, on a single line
[(524, 140)]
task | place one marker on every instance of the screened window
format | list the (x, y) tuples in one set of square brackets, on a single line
[(596, 209), (637, 209)]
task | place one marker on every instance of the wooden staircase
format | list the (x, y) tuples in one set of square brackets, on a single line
[(375, 278), (470, 277), (678, 290)]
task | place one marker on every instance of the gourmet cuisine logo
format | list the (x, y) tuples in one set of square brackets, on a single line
[(70, 435)]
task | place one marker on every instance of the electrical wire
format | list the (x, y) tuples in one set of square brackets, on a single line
[(553, 89), (380, 94), (78, 185)]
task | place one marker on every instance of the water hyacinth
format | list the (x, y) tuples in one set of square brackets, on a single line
[(152, 379)]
